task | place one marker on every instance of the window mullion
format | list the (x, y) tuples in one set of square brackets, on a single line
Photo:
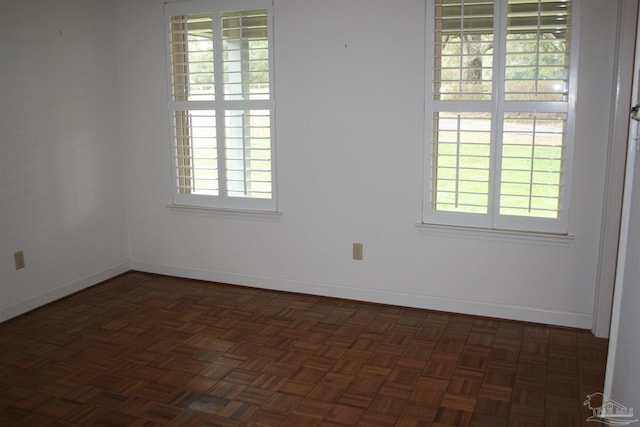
[(218, 72)]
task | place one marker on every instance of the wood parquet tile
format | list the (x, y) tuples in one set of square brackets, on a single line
[(147, 350)]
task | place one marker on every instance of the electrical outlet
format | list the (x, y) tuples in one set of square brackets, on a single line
[(357, 251), (18, 257)]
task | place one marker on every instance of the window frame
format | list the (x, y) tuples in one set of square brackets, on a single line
[(497, 106), (220, 105)]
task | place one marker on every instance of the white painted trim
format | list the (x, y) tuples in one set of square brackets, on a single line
[(564, 240), (206, 210), (65, 290), (622, 259), (624, 226), (616, 157), (336, 290)]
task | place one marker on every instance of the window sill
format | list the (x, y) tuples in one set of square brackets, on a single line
[(232, 212), (498, 235)]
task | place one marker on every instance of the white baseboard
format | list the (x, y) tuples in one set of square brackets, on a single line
[(479, 308), (63, 291)]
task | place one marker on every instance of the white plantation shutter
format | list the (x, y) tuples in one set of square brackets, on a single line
[(196, 152), (499, 126), (246, 54), (461, 173), (221, 103), (537, 54), (531, 168), (192, 57), (462, 49), (535, 145), (248, 153)]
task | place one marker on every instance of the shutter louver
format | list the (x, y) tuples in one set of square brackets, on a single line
[(246, 55), (532, 157), (463, 43), (537, 50), (461, 152), (192, 57), (195, 151), (248, 153)]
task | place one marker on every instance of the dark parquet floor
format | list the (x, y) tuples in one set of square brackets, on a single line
[(148, 350)]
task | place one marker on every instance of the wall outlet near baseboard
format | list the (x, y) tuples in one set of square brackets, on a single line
[(18, 257), (357, 251)]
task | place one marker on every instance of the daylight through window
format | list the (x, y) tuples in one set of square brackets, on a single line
[(221, 104), (499, 117)]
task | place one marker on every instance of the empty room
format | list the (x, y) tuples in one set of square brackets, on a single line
[(319, 212)]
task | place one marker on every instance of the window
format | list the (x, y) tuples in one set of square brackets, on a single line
[(499, 117), (221, 103)]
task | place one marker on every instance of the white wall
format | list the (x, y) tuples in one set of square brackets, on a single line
[(349, 93), (61, 168)]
